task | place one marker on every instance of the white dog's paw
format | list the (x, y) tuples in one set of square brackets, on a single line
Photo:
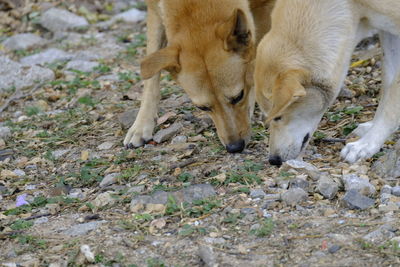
[(360, 149), (139, 134), (363, 128)]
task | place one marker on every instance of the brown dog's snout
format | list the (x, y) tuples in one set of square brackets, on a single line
[(236, 147)]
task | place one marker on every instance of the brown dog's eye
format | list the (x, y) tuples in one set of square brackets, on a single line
[(237, 99), (278, 118), (203, 108)]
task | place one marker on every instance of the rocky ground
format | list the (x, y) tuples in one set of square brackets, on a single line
[(71, 195)]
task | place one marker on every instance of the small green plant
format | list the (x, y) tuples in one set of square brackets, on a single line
[(348, 128), (265, 229), (155, 262), (185, 177), (172, 207), (21, 224), (32, 110), (102, 69), (87, 100), (319, 135)]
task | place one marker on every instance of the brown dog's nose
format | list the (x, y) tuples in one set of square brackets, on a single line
[(275, 160), (235, 147)]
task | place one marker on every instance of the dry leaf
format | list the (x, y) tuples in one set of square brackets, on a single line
[(84, 155)]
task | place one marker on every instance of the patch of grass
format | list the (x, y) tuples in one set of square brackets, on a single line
[(130, 173), (185, 177), (102, 69), (32, 110), (171, 207), (266, 228), (33, 242), (319, 135), (188, 230), (155, 262), (202, 207), (87, 100), (21, 224), (233, 218), (348, 128)]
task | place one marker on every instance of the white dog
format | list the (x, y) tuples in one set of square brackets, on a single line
[(302, 62)]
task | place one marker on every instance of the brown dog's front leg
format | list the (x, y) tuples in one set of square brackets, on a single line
[(142, 129)]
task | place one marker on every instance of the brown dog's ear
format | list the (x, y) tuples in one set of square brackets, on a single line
[(288, 88), (162, 59), (235, 32)]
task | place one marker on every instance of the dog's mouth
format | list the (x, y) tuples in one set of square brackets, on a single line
[(277, 160)]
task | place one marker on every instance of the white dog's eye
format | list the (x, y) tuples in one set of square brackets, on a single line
[(237, 99)]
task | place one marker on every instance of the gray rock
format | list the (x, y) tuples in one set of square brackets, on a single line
[(385, 198), (15, 75), (165, 134), (23, 41), (56, 19), (389, 164), (355, 200), (294, 196), (299, 183), (48, 56), (352, 181), (83, 229), (257, 193), (327, 187), (334, 248), (103, 199), (180, 139), (380, 235), (19, 172), (81, 65), (386, 189), (3, 190), (207, 255), (57, 154), (197, 192), (109, 179), (346, 93), (41, 220), (136, 189), (396, 191), (128, 118), (131, 16), (86, 56), (5, 132), (302, 166)]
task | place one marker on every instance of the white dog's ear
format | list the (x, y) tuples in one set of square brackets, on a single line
[(166, 58), (235, 32), (287, 89)]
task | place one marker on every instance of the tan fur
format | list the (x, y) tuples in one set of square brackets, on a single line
[(210, 50), (317, 37)]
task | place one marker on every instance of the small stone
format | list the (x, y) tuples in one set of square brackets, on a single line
[(136, 189), (19, 173), (257, 193), (327, 187), (103, 199), (57, 154), (299, 183), (180, 139), (48, 56), (105, 145), (83, 229), (198, 192), (334, 248), (206, 254), (131, 16), (300, 165), (41, 220), (390, 206), (5, 132), (386, 189), (76, 193), (109, 179), (85, 250), (354, 200), (53, 208), (165, 134), (294, 196), (56, 20), (128, 118), (363, 186), (197, 138), (396, 191), (23, 41), (385, 198)]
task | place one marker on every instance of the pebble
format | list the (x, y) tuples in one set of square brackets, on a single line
[(57, 154), (180, 139), (131, 16), (109, 179), (105, 145), (334, 248), (380, 235), (363, 186), (41, 220), (58, 20), (5, 132), (390, 206), (354, 200), (103, 199), (85, 250), (299, 183), (207, 255), (257, 193), (386, 189), (165, 134), (128, 118), (300, 165), (294, 196), (396, 191), (327, 187)]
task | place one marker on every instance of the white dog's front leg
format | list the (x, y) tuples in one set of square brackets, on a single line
[(387, 117)]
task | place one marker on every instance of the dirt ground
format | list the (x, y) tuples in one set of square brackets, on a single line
[(186, 201)]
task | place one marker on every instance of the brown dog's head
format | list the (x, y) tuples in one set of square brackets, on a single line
[(210, 53)]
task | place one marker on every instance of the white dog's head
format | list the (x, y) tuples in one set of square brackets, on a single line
[(294, 104)]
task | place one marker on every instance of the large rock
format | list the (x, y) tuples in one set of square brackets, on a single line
[(294, 196), (128, 117), (13, 74), (355, 200), (165, 134), (56, 19), (23, 41), (48, 56)]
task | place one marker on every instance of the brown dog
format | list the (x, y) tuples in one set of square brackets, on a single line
[(210, 47)]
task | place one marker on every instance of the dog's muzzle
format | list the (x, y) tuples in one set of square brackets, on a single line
[(236, 147)]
